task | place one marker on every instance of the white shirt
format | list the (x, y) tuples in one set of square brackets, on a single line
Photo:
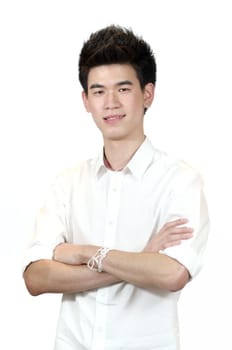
[(91, 204)]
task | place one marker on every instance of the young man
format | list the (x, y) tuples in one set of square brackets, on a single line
[(122, 234)]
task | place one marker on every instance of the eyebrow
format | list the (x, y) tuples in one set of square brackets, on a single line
[(120, 83), (124, 82)]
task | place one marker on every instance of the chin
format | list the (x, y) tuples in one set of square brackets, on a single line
[(114, 137)]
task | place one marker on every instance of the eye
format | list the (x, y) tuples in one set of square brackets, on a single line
[(98, 92), (124, 89)]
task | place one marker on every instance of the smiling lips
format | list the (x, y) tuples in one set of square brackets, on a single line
[(113, 118)]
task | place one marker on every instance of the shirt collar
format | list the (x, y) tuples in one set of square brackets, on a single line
[(100, 167), (138, 163), (141, 159)]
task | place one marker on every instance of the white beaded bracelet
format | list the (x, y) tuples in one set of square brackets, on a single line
[(95, 263)]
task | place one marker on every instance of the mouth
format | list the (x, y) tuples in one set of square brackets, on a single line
[(114, 118)]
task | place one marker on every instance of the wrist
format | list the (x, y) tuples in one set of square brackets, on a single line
[(96, 260), (87, 251)]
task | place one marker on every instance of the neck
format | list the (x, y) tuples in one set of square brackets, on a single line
[(119, 153)]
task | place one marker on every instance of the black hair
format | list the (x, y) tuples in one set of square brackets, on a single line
[(115, 44)]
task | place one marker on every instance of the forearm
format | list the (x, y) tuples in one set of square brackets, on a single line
[(48, 276), (146, 270)]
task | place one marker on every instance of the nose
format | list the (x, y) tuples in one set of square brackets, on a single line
[(112, 100)]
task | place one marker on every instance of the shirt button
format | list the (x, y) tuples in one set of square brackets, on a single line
[(102, 294)]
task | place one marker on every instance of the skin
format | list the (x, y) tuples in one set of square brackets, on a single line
[(110, 96), (68, 273), (116, 102)]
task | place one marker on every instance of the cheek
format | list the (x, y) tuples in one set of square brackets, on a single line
[(96, 115), (95, 108), (138, 98), (98, 122), (138, 103)]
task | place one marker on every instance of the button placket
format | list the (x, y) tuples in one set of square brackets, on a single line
[(113, 204)]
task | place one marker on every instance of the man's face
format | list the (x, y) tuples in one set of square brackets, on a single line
[(116, 101)]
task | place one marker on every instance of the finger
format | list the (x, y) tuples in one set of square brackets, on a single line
[(171, 244), (181, 230), (177, 222), (180, 237)]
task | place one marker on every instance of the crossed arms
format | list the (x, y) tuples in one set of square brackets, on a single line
[(67, 272)]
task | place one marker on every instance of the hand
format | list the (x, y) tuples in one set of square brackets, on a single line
[(171, 234), (68, 253), (73, 254)]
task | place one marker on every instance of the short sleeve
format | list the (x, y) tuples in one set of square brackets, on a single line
[(187, 200), (50, 227)]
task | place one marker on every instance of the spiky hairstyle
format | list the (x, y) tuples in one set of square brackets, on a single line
[(117, 45)]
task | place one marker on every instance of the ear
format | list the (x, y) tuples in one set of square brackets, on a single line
[(148, 94), (85, 101)]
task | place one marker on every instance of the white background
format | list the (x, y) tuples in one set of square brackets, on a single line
[(44, 129)]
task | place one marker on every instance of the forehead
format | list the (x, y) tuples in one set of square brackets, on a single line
[(111, 74)]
